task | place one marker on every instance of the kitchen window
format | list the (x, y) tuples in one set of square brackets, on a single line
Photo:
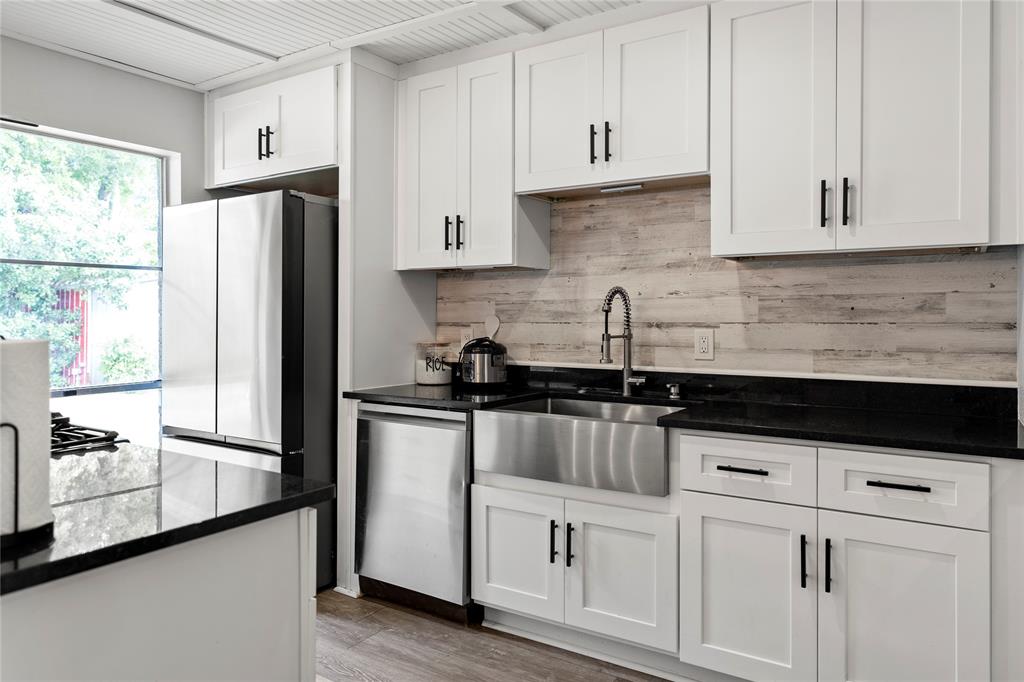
[(80, 261)]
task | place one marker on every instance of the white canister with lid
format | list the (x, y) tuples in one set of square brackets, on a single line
[(431, 368)]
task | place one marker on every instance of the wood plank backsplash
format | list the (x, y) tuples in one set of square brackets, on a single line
[(948, 316)]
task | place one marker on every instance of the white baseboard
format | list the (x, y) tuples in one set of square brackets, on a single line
[(355, 594), (643, 660)]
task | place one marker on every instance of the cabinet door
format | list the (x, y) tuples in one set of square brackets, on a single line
[(772, 126), (485, 163), (656, 96), (307, 134), (427, 222), (744, 609), (913, 122), (906, 601), (517, 551), (621, 579), (238, 123), (558, 104)]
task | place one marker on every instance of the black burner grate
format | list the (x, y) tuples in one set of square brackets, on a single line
[(70, 439)]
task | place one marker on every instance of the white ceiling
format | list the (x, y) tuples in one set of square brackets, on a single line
[(200, 43)]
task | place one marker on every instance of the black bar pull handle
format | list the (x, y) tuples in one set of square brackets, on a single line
[(803, 561), (607, 141), (846, 201), (899, 486), (824, 196), (447, 233), (259, 144), (593, 139), (828, 564), (269, 133), (569, 556), (459, 222), (552, 551), (742, 470)]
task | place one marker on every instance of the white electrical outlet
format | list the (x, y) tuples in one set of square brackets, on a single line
[(704, 344)]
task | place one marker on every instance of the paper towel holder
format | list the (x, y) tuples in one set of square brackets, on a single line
[(22, 542)]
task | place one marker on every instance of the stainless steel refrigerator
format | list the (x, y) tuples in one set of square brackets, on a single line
[(250, 334)]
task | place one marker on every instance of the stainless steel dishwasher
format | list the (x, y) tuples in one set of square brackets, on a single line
[(412, 486)]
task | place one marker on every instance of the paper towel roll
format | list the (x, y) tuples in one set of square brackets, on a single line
[(25, 402)]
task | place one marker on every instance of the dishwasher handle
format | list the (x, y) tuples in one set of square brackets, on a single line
[(412, 415), (425, 422)]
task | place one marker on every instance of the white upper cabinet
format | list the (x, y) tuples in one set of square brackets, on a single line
[(427, 220), (282, 127), (901, 601), (622, 104), (485, 204), (239, 130), (913, 123), (558, 112), (773, 126), (857, 125), (656, 97), (456, 194)]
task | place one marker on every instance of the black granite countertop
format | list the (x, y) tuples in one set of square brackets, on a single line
[(447, 397), (116, 504), (967, 420), (987, 437)]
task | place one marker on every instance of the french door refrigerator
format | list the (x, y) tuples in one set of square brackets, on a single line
[(250, 334)]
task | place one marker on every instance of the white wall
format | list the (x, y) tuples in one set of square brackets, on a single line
[(383, 313), (60, 91)]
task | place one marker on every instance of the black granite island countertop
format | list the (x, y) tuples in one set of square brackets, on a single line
[(116, 504)]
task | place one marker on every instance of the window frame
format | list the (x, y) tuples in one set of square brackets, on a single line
[(170, 195)]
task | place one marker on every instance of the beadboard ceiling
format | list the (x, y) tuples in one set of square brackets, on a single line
[(202, 43)]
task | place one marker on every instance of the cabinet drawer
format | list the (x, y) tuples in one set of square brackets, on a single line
[(765, 471), (926, 489)]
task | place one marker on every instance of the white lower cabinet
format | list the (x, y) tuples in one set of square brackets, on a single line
[(596, 567), (746, 607), (883, 599), (621, 578), (516, 542), (906, 601)]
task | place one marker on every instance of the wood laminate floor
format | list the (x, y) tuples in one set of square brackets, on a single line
[(366, 639)]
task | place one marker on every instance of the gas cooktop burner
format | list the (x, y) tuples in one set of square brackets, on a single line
[(70, 439)]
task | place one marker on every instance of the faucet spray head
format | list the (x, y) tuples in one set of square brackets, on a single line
[(627, 332), (627, 308)]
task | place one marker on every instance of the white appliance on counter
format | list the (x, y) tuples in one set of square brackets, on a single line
[(26, 519)]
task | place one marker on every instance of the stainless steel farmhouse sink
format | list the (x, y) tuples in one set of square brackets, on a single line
[(613, 446)]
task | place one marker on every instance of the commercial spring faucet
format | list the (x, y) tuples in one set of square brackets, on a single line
[(628, 380)]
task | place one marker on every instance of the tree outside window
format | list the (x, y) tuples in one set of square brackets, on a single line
[(80, 256)]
